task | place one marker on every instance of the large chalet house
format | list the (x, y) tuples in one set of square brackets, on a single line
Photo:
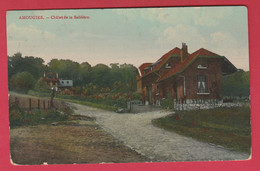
[(185, 77)]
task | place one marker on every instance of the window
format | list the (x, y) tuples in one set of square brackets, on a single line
[(201, 67), (157, 90), (168, 65), (201, 84)]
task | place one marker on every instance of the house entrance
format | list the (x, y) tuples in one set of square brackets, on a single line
[(175, 90), (150, 94)]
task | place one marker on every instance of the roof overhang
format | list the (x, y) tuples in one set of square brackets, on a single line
[(227, 67)]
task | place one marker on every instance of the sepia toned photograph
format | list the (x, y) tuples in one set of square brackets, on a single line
[(128, 85)]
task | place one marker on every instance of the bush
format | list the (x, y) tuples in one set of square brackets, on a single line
[(137, 96), (42, 86), (168, 103), (23, 82), (22, 117)]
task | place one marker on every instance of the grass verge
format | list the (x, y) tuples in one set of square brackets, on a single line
[(22, 117), (75, 99), (228, 127)]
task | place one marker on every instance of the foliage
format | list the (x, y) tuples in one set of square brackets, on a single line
[(23, 81), (21, 117), (168, 103), (42, 86), (136, 96), (104, 101), (67, 69), (236, 84), (88, 81), (30, 64), (228, 127)]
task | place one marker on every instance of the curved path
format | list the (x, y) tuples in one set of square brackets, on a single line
[(137, 132)]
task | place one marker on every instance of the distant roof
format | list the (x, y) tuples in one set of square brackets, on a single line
[(165, 57), (158, 64), (143, 66)]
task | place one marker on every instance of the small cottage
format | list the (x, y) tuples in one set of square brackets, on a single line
[(186, 77), (51, 79), (65, 83)]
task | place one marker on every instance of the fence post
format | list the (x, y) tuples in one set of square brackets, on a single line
[(16, 102), (44, 104), (38, 103), (30, 104), (48, 104)]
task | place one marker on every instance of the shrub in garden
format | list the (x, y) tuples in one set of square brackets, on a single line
[(22, 117), (136, 96), (16, 117), (168, 103)]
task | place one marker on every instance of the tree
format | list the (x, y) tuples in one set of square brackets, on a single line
[(236, 84), (100, 75), (84, 73), (67, 69), (33, 65), (42, 86), (114, 65), (23, 81)]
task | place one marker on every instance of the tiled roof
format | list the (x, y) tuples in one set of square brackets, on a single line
[(160, 62), (165, 57), (182, 65), (143, 66)]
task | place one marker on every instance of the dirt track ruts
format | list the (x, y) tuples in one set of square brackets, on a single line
[(137, 132)]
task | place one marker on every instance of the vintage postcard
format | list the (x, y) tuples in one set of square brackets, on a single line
[(128, 85)]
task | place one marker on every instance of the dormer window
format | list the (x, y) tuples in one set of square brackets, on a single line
[(168, 65), (201, 67)]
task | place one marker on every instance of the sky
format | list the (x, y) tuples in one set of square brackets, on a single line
[(129, 35)]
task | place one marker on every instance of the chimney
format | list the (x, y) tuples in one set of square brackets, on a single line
[(184, 52)]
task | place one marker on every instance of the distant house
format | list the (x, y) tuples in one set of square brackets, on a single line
[(53, 81), (65, 83), (185, 77)]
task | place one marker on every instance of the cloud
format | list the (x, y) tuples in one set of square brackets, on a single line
[(129, 14), (28, 39), (225, 44), (27, 33), (221, 39), (77, 35), (180, 33), (210, 16)]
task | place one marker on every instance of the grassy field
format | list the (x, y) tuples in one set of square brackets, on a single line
[(228, 127)]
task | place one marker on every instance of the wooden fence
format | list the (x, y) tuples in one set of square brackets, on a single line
[(29, 103)]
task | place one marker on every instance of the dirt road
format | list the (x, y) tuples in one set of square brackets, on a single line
[(137, 132)]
